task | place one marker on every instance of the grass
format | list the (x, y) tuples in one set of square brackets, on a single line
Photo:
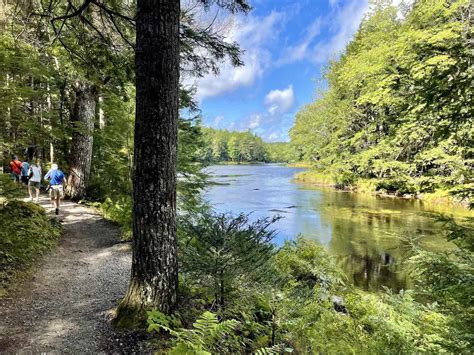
[(316, 178), (299, 164)]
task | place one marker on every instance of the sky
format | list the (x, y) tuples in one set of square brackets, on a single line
[(287, 44)]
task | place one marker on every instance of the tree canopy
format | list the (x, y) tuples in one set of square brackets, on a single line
[(398, 107)]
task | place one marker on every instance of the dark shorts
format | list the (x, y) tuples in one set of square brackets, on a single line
[(35, 184), (24, 179)]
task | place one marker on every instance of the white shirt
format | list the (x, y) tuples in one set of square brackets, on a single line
[(36, 173)]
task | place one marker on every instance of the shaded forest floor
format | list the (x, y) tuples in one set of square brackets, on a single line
[(67, 304)]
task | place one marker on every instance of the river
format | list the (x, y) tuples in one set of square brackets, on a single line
[(367, 234)]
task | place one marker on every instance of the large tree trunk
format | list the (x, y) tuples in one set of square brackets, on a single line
[(82, 139), (154, 277)]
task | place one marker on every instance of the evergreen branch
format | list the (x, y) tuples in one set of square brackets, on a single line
[(77, 12), (113, 12)]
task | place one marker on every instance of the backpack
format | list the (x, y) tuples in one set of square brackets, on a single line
[(17, 164)]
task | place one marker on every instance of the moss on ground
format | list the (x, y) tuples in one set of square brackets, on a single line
[(26, 234), (129, 318)]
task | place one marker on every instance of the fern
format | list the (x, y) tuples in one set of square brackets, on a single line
[(207, 336), (275, 349)]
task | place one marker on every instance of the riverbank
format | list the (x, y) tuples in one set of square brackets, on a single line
[(244, 162), (373, 186)]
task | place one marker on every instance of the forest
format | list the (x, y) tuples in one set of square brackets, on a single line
[(397, 110), (96, 88), (234, 146)]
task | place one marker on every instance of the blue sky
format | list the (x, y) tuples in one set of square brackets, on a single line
[(287, 45)]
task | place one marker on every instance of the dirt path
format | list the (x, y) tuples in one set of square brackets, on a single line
[(66, 306)]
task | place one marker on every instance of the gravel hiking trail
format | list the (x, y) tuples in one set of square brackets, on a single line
[(66, 305)]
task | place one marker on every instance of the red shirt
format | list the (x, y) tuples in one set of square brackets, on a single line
[(15, 167)]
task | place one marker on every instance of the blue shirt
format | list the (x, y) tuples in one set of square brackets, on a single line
[(25, 168), (55, 177)]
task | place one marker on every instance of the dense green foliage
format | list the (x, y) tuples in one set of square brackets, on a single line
[(302, 301), (41, 65), (281, 152), (225, 146), (26, 234), (238, 147), (398, 107), (447, 278)]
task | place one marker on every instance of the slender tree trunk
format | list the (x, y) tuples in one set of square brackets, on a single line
[(154, 277), (49, 107), (82, 139), (62, 99), (102, 119)]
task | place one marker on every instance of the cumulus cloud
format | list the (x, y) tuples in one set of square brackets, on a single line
[(254, 35), (272, 125), (280, 101)]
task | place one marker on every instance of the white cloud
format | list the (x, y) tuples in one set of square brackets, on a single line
[(300, 50), (273, 136), (253, 34), (280, 101), (273, 124), (341, 23), (255, 120), (217, 120), (346, 22)]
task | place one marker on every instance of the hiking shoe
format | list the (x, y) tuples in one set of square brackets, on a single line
[(57, 211)]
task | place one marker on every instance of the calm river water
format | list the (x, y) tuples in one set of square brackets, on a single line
[(367, 234)]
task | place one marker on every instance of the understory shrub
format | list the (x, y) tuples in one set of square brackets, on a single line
[(8, 189), (300, 301)]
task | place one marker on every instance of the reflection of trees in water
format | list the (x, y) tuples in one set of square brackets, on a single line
[(368, 236), (371, 272)]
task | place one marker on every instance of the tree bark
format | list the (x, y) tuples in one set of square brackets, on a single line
[(82, 140), (154, 276)]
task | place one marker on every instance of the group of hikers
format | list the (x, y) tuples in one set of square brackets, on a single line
[(30, 175)]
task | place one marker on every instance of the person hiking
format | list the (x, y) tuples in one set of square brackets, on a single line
[(15, 169), (34, 175), (25, 168), (56, 180)]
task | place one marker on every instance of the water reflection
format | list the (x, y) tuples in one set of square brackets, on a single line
[(367, 234)]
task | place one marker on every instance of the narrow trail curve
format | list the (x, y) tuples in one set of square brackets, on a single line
[(65, 307)]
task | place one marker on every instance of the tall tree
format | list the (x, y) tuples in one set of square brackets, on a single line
[(154, 277), (82, 139)]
